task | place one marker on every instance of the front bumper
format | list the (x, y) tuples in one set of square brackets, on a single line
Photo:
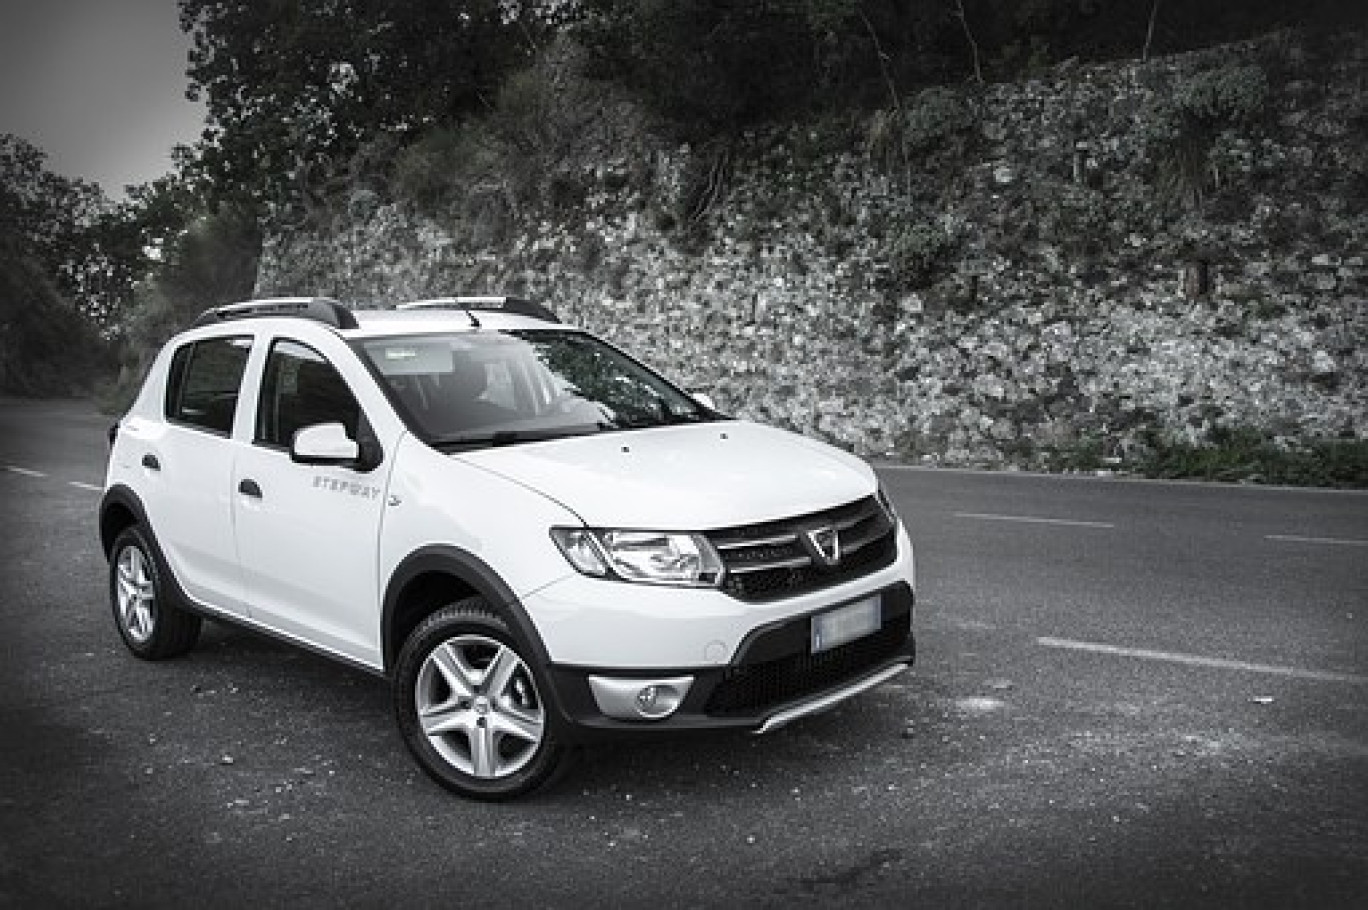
[(773, 678)]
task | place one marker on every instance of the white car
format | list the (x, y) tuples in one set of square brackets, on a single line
[(537, 539)]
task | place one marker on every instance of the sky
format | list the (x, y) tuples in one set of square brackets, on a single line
[(99, 85)]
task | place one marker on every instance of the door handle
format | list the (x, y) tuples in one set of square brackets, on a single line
[(250, 488), (150, 462)]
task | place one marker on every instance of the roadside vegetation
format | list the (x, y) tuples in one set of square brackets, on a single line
[(1241, 455)]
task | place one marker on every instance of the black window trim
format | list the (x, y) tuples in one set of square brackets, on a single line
[(364, 431), (176, 383)]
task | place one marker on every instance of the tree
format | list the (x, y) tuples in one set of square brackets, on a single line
[(41, 210), (125, 243), (295, 88), (45, 345), (720, 64), (46, 218)]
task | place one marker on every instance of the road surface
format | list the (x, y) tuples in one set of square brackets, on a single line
[(1128, 694)]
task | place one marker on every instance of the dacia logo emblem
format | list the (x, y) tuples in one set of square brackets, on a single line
[(824, 544)]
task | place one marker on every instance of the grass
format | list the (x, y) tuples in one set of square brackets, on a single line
[(1241, 455), (1248, 456)]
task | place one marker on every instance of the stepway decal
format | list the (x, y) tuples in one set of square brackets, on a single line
[(355, 488)]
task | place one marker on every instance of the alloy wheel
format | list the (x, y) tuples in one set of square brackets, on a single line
[(137, 595), (478, 706)]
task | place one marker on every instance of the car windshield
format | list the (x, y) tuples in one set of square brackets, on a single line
[(484, 388)]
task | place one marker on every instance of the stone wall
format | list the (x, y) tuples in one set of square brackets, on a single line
[(1012, 287)]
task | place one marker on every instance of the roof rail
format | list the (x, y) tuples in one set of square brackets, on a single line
[(319, 309), (515, 305)]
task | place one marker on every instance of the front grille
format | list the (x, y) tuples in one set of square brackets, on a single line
[(755, 687), (773, 560)]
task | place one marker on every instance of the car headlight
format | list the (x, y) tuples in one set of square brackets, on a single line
[(648, 557)]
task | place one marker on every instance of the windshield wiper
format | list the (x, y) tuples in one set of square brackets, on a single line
[(670, 419), (510, 437)]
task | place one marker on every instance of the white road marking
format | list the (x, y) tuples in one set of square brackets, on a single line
[(1216, 663), (29, 472), (1332, 541), (1067, 522)]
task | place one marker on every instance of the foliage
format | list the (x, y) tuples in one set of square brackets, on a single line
[(46, 222), (123, 244), (1084, 453), (1229, 455), (714, 67), (917, 254), (295, 88), (937, 117), (1183, 130), (91, 251), (42, 210), (429, 172), (1223, 95), (45, 216), (1076, 219), (1246, 454), (213, 261), (929, 134), (46, 347), (537, 150)]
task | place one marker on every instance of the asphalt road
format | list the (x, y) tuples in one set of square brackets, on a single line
[(1128, 694)]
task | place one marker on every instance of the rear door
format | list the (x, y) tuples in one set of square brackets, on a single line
[(186, 462)]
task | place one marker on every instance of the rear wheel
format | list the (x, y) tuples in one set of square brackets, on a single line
[(470, 706), (152, 627)]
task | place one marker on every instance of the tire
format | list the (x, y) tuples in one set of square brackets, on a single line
[(470, 706), (152, 626)]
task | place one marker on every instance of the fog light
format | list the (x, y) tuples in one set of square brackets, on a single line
[(646, 700), (639, 699)]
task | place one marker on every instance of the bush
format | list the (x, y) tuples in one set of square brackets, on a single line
[(1248, 455), (1222, 96), (714, 68), (428, 172), (918, 254), (939, 121), (46, 347), (936, 119), (1183, 129), (539, 149)]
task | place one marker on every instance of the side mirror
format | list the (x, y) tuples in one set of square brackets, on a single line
[(325, 444), (704, 399)]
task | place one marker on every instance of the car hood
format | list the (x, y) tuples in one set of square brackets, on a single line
[(696, 477)]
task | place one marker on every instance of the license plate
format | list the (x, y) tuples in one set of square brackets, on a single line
[(831, 630)]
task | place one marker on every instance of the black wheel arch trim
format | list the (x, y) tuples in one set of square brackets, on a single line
[(122, 496), (119, 495), (470, 570)]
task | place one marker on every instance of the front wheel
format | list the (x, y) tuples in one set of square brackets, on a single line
[(470, 707), (152, 627)]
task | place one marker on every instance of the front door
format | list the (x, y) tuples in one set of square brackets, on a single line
[(307, 535)]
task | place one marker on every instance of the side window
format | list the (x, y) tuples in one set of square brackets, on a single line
[(301, 389), (202, 390)]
